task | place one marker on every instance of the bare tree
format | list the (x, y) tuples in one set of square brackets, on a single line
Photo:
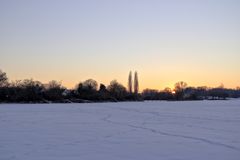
[(179, 86), (167, 90), (90, 84), (136, 84), (3, 78), (130, 82), (117, 90), (54, 91), (179, 89), (53, 84)]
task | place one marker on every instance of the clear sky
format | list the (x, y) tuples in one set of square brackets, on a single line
[(164, 40)]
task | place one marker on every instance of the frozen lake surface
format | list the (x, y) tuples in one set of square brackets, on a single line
[(193, 130)]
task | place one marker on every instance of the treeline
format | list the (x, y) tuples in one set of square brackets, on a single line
[(30, 91), (182, 92)]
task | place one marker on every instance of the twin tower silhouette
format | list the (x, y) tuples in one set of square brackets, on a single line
[(133, 86)]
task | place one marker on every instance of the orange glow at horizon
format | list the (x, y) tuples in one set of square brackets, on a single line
[(146, 79), (74, 41)]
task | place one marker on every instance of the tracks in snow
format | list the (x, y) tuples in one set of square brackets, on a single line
[(108, 117)]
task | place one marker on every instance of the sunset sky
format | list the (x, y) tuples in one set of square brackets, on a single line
[(164, 40)]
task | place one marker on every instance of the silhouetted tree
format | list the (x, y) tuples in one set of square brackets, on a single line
[(104, 94), (117, 90), (90, 84), (88, 90), (3, 86), (179, 90), (150, 94), (102, 88), (166, 94), (136, 84), (79, 88), (153, 94), (167, 90), (130, 82), (190, 93), (3, 78), (54, 91), (27, 90)]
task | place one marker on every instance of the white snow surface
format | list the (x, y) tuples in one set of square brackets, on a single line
[(152, 130)]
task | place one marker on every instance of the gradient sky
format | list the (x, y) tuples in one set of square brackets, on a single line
[(164, 40)]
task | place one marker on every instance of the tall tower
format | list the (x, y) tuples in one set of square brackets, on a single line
[(130, 82), (136, 84)]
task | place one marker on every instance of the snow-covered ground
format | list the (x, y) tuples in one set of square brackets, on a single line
[(195, 130)]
